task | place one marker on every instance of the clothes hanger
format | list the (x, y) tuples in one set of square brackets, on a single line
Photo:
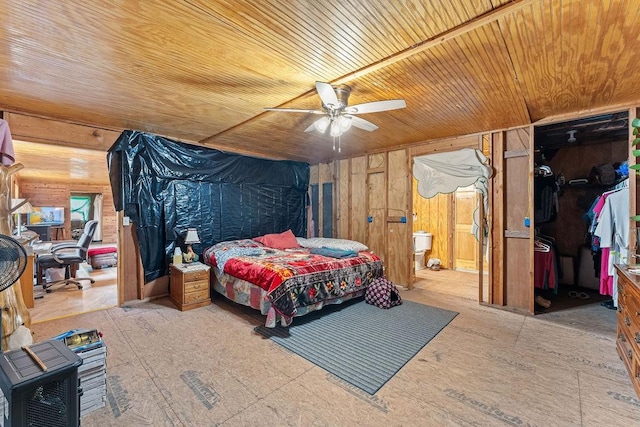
[(541, 247), (543, 170)]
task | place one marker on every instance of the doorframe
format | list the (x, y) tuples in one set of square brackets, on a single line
[(476, 142)]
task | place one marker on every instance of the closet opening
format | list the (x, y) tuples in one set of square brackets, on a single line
[(580, 185)]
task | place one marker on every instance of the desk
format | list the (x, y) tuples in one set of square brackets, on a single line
[(44, 231), (44, 248), (26, 280), (41, 248)]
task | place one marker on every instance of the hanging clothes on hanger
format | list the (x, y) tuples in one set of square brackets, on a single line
[(545, 274), (545, 195), (613, 231)]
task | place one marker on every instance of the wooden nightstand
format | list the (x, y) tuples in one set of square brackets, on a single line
[(189, 285)]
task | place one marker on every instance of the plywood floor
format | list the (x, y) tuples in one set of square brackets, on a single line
[(489, 367)]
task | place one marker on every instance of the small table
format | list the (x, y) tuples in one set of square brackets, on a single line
[(58, 229), (189, 285)]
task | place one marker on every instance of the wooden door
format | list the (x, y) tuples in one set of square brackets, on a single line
[(465, 246), (376, 214), (511, 271)]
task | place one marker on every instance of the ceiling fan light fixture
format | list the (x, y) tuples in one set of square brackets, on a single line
[(322, 124), (338, 116), (344, 123)]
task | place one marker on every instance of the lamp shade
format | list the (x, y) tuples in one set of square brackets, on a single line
[(23, 206), (191, 236), (322, 124)]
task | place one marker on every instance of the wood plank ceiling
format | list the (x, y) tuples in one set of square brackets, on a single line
[(202, 71)]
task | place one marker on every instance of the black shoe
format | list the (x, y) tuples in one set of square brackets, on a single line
[(608, 304)]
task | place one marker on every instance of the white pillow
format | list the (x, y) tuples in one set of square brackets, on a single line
[(325, 242)]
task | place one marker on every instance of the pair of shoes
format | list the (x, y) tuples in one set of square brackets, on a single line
[(608, 304), (576, 294), (543, 302)]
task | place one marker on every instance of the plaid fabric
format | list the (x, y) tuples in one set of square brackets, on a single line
[(382, 293)]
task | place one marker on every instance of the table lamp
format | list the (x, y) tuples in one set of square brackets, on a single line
[(19, 207), (189, 239)]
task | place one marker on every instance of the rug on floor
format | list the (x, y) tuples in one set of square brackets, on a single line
[(360, 343)]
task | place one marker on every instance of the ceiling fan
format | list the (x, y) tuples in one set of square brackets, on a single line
[(338, 115)]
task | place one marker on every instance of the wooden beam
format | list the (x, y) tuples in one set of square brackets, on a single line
[(55, 132), (490, 271), (576, 115), (516, 234), (531, 209), (515, 153), (446, 36), (498, 222), (633, 191), (480, 245)]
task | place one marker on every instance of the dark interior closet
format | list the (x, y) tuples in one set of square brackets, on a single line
[(576, 163)]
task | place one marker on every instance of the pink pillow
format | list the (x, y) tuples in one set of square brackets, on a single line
[(284, 240)]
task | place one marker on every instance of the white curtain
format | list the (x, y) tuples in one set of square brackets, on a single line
[(97, 215), (445, 172)]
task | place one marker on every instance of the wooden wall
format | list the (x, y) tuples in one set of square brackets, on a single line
[(59, 194), (399, 240), (373, 197), (372, 205), (379, 185)]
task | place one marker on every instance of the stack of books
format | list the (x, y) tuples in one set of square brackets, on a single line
[(92, 374)]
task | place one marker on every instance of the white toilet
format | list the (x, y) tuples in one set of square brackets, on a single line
[(421, 244)]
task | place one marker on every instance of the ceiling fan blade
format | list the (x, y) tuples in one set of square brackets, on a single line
[(296, 110), (362, 123), (311, 128), (374, 107), (327, 94)]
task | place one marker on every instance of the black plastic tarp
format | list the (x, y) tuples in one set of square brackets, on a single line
[(165, 186)]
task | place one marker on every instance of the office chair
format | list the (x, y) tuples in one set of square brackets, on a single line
[(69, 256)]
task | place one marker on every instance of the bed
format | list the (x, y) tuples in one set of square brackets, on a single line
[(291, 281)]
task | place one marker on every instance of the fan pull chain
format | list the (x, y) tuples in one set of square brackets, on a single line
[(339, 144)]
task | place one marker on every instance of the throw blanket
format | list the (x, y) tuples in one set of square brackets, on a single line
[(225, 254), (333, 253)]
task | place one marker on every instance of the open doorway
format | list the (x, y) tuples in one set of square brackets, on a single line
[(101, 266), (81, 206), (449, 209), (578, 165)]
